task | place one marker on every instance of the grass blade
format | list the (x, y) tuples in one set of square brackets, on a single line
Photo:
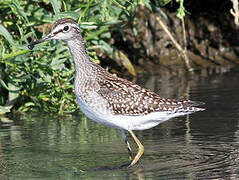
[(7, 35), (55, 5)]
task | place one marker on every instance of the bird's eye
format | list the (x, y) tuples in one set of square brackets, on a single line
[(66, 28)]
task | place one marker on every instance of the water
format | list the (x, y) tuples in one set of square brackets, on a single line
[(202, 145)]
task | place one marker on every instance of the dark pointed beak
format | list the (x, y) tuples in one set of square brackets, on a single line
[(31, 45)]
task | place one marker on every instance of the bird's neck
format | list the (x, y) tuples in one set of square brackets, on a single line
[(84, 66)]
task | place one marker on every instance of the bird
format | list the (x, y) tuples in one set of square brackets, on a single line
[(110, 100)]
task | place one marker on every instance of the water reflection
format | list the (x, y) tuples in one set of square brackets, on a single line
[(199, 146)]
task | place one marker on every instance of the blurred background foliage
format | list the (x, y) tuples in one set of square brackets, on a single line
[(43, 79)]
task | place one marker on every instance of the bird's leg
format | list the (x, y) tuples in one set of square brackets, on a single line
[(140, 151), (127, 145), (129, 150)]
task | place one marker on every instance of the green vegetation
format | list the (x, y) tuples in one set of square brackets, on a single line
[(43, 78)]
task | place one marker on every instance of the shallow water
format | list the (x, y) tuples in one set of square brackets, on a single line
[(199, 146)]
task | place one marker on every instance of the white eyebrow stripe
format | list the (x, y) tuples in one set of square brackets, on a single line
[(59, 27)]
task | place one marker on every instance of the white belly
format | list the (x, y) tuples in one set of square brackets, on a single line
[(126, 122)]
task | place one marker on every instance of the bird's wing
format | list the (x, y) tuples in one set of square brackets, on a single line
[(127, 98)]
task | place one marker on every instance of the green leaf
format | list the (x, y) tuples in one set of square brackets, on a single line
[(55, 4), (4, 85), (13, 94), (164, 2), (70, 14), (21, 12), (17, 53), (4, 110), (26, 106), (181, 11), (7, 35), (85, 10), (97, 33)]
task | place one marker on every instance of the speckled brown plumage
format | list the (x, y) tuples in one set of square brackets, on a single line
[(125, 97)]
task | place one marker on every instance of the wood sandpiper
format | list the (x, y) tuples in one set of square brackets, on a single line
[(113, 101)]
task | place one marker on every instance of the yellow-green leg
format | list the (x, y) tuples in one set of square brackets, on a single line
[(127, 145), (140, 151), (129, 150)]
